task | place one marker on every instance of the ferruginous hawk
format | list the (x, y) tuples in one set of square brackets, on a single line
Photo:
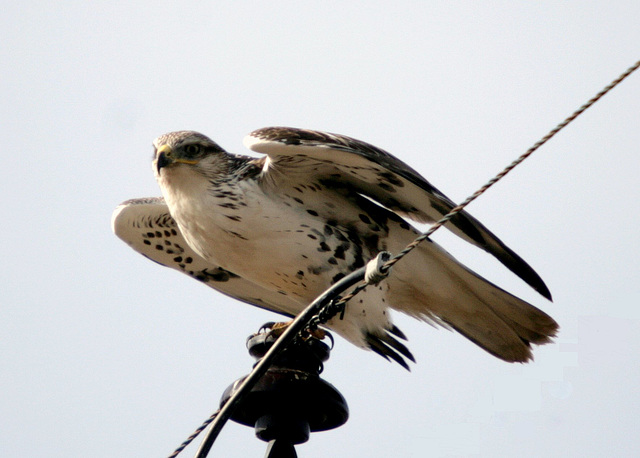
[(278, 230)]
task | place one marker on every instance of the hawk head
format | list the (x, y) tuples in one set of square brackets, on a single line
[(187, 151)]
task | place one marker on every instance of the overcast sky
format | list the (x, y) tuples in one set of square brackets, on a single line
[(106, 354)]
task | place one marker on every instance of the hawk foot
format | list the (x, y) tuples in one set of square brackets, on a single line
[(275, 330)]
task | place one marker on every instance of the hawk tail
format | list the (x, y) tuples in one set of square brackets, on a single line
[(446, 293)]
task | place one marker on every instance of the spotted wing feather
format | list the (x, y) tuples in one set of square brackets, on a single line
[(384, 178), (147, 226)]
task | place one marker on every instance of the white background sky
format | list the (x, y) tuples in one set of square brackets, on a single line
[(106, 354)]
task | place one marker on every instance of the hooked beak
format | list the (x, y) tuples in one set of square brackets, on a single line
[(166, 158)]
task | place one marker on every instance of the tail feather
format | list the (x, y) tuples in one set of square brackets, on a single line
[(445, 292), (396, 332), (389, 347), (392, 342)]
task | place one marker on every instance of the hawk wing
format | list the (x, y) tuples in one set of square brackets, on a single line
[(147, 226), (382, 177)]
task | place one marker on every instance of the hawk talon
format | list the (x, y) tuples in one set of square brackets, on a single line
[(267, 326), (333, 342), (318, 333), (278, 328)]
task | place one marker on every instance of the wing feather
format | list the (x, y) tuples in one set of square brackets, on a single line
[(147, 226), (382, 177)]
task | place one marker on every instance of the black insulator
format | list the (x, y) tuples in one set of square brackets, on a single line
[(291, 400)]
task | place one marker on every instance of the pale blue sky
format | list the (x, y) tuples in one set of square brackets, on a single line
[(106, 354)]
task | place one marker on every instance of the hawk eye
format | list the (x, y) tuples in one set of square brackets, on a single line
[(191, 150)]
